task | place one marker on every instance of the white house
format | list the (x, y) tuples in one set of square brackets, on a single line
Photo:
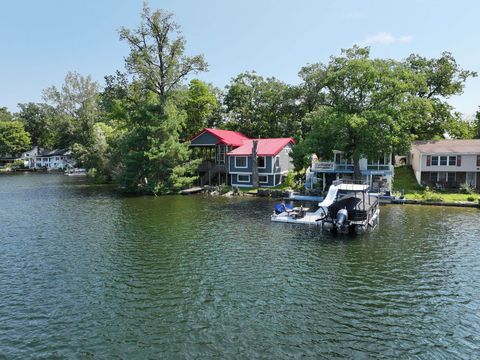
[(38, 158)]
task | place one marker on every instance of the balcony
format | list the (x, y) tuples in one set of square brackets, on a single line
[(322, 166), (380, 167)]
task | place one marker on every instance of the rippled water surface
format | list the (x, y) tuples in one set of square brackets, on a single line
[(85, 273)]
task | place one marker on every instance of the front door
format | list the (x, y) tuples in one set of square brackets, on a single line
[(472, 179)]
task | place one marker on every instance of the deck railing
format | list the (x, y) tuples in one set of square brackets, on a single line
[(323, 165)]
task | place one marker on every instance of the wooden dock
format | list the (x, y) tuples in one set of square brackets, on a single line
[(191, 191)]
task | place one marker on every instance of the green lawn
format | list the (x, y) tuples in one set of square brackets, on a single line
[(405, 182)]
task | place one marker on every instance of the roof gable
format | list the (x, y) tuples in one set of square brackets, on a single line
[(265, 147), (226, 137)]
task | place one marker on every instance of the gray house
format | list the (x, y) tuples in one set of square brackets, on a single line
[(212, 145), (273, 162)]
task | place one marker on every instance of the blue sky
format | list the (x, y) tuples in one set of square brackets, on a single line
[(43, 40)]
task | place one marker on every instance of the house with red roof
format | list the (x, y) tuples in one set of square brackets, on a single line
[(273, 162), (212, 145)]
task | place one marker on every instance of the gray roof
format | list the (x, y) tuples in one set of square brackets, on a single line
[(448, 146)]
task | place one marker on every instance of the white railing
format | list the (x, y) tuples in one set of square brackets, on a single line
[(380, 167), (323, 165)]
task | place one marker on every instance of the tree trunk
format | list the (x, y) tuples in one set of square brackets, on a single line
[(357, 175), (255, 180)]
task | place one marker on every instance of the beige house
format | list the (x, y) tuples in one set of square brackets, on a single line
[(446, 163)]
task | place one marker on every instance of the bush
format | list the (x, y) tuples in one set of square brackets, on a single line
[(470, 198), (427, 195), (17, 164), (466, 189), (289, 180)]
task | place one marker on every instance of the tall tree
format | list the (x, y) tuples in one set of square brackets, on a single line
[(157, 52), (13, 137), (436, 80), (358, 105), (262, 107), (77, 108), (202, 108), (39, 122), (150, 156)]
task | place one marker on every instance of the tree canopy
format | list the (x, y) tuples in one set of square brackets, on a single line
[(13, 138)]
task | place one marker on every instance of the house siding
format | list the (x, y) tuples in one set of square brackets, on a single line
[(284, 160), (469, 163), (274, 174), (205, 139)]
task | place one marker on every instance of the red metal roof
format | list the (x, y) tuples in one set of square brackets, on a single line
[(227, 137), (265, 147)]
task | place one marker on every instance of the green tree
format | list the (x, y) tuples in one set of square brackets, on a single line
[(149, 156), (5, 115), (13, 138), (262, 107), (39, 122), (76, 105), (358, 106), (436, 80), (202, 108), (96, 157), (157, 53)]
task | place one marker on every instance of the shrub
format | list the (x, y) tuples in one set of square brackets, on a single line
[(470, 198), (17, 164), (466, 189), (289, 180), (427, 195)]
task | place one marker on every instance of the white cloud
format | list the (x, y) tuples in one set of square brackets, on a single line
[(386, 38)]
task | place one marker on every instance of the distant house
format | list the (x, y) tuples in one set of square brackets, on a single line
[(273, 162), (212, 145), (446, 163), (378, 173), (38, 158)]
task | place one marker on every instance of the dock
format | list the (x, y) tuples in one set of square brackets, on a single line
[(190, 191)]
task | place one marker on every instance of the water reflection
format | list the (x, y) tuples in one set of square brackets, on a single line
[(85, 272)]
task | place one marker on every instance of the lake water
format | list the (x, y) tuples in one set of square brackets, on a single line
[(86, 273)]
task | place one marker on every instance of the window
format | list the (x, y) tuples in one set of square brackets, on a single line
[(433, 176), (478, 160), (443, 160), (262, 162), (240, 161), (459, 160), (277, 162), (452, 160), (434, 160), (263, 179), (243, 178)]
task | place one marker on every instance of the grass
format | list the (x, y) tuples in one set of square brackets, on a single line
[(406, 183)]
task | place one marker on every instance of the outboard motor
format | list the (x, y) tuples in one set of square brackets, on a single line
[(342, 216)]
